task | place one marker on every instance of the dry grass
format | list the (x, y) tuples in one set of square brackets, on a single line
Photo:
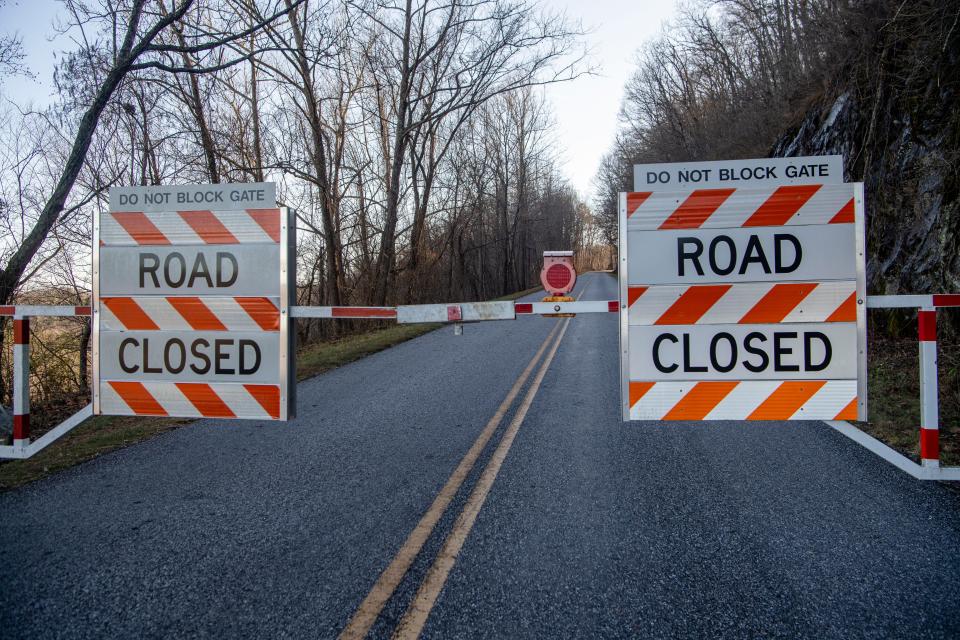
[(894, 396), (323, 356)]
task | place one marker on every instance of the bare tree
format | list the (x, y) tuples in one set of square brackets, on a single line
[(411, 138), (444, 58), (135, 49), (11, 52)]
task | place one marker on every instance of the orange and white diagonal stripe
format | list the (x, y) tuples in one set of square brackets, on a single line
[(744, 207), (184, 313), (199, 227), (740, 400), (746, 303), (191, 399)]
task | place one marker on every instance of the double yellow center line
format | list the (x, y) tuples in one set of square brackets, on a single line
[(416, 615)]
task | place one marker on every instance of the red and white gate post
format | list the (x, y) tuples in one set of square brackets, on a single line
[(21, 382), (929, 467), (24, 446), (929, 402)]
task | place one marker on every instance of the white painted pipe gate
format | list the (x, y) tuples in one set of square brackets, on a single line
[(926, 305)]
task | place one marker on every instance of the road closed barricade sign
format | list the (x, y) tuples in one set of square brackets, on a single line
[(744, 294), (191, 296)]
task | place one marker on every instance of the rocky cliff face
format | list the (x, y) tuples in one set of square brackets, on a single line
[(895, 119)]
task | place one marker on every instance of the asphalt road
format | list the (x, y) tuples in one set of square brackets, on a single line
[(591, 528)]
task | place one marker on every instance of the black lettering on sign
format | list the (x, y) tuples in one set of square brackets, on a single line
[(693, 175), (653, 177), (694, 256), (808, 171), (219, 355), (223, 260), (161, 197), (808, 338), (754, 254), (200, 270), (149, 263), (200, 197), (174, 356), (175, 273), (244, 344), (200, 356), (656, 353), (748, 341), (182, 358), (175, 257), (754, 351), (748, 173), (687, 365), (247, 195), (731, 348), (146, 359), (123, 361), (724, 256), (779, 351), (731, 257), (779, 252)]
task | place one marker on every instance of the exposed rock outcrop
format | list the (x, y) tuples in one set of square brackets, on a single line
[(894, 117)]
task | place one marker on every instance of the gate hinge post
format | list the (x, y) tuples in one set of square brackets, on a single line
[(929, 400), (21, 382)]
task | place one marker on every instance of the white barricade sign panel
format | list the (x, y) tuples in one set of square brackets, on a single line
[(191, 303), (678, 176), (742, 292), (166, 199)]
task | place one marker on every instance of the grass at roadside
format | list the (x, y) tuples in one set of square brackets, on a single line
[(102, 434), (894, 396), (323, 356)]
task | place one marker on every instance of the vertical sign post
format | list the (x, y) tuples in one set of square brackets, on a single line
[(743, 292), (191, 303)]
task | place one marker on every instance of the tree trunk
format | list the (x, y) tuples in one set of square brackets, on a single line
[(331, 235), (17, 265), (387, 259), (84, 346), (420, 214), (255, 117)]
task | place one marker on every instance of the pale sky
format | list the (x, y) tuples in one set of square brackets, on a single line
[(585, 110)]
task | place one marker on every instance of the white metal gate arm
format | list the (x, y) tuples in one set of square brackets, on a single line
[(476, 311), (28, 310), (582, 306), (456, 312), (387, 313), (914, 301)]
